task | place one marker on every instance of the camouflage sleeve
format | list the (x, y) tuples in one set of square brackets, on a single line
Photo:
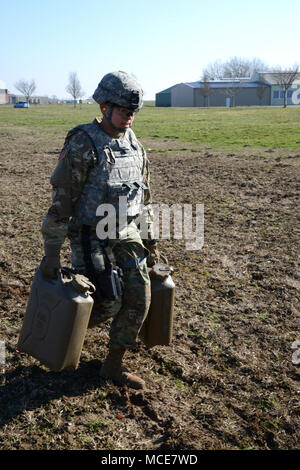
[(67, 180), (148, 212)]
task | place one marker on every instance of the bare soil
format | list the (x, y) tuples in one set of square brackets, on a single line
[(228, 380)]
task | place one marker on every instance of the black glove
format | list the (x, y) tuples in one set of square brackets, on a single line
[(50, 264), (153, 256)]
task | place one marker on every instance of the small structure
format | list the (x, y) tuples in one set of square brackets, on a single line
[(4, 96), (163, 98), (226, 92), (263, 88), (11, 98)]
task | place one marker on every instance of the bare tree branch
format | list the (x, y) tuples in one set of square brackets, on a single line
[(206, 89), (26, 88), (74, 87), (284, 77), (260, 91), (239, 67), (235, 67), (232, 90), (214, 70)]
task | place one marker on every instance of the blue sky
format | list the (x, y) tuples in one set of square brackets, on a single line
[(161, 42)]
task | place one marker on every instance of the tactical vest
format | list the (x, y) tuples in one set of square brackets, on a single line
[(118, 172)]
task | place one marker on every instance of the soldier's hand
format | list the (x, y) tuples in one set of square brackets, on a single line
[(153, 256), (50, 266)]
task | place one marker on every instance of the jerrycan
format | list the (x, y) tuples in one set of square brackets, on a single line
[(56, 319), (158, 326)]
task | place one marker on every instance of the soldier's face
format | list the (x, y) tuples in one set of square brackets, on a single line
[(122, 118)]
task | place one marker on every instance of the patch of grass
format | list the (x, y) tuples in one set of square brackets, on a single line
[(181, 385), (97, 423), (255, 126), (221, 127), (267, 403)]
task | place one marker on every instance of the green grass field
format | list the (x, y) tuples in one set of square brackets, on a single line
[(214, 127)]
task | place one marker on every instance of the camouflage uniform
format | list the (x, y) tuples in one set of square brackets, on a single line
[(76, 161)]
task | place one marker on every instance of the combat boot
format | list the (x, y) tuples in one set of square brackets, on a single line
[(112, 369)]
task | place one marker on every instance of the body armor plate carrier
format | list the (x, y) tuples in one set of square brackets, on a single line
[(118, 172)]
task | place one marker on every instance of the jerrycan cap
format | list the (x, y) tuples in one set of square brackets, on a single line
[(161, 271)]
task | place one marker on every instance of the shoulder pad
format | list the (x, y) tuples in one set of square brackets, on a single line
[(73, 132)]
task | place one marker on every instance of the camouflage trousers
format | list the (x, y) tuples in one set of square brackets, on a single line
[(130, 310)]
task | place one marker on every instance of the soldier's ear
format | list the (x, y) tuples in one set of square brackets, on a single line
[(103, 108)]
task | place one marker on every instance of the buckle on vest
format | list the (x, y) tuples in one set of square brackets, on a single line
[(139, 184), (109, 155)]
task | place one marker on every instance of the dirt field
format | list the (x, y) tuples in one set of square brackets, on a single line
[(227, 381)]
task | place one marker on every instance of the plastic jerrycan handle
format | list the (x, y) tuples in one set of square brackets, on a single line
[(80, 282)]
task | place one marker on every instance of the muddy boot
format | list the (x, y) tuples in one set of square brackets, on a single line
[(112, 369)]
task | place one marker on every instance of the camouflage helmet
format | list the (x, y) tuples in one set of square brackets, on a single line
[(121, 89)]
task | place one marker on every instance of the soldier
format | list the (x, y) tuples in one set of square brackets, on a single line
[(99, 163)]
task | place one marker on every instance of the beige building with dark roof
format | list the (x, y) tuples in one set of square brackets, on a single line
[(4, 96)]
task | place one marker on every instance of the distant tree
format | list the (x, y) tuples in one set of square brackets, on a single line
[(26, 88), (74, 87), (239, 67), (260, 91), (258, 65), (235, 67), (206, 90), (284, 77), (232, 90), (214, 70)]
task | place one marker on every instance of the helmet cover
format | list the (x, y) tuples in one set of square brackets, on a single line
[(121, 89)]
